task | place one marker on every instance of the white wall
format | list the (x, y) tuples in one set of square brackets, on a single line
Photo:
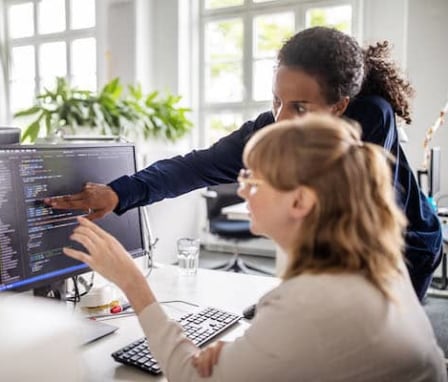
[(142, 44), (179, 217), (386, 20), (418, 32), (427, 68)]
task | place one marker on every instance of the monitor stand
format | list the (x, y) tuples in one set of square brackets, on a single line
[(56, 290)]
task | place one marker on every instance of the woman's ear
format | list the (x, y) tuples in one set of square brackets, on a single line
[(339, 107), (304, 200)]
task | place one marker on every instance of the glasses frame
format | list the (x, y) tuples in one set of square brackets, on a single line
[(246, 181)]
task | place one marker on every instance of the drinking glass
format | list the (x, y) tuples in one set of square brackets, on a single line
[(188, 255)]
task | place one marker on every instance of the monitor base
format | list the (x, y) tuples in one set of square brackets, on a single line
[(56, 290)]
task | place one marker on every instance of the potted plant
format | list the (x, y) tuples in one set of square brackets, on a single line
[(65, 110)]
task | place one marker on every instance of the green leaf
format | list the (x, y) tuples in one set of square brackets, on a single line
[(26, 112), (31, 132), (48, 123)]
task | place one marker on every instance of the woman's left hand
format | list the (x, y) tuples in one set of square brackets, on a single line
[(206, 358)]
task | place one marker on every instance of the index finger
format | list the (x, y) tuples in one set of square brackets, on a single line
[(74, 201)]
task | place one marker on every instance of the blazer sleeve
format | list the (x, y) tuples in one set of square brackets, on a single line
[(172, 177)]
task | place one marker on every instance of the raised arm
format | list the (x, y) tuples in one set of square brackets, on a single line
[(172, 177), (166, 178)]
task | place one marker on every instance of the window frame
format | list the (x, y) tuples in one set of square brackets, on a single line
[(248, 11), (36, 40)]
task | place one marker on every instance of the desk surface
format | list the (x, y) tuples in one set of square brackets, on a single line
[(237, 211), (225, 290)]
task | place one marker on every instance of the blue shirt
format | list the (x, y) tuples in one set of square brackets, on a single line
[(222, 161)]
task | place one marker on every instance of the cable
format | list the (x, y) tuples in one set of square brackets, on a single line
[(179, 301), (76, 297), (109, 316)]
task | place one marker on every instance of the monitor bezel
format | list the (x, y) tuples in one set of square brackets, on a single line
[(434, 185)]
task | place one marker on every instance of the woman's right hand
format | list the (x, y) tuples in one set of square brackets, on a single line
[(96, 199), (205, 359), (104, 254)]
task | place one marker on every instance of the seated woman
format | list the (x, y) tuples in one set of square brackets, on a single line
[(345, 310)]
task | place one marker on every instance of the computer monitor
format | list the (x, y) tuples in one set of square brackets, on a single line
[(32, 234), (9, 135), (434, 173)]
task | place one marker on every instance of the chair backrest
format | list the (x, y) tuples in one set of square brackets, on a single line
[(217, 198), (224, 195)]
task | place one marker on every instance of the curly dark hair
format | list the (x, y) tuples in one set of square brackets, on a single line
[(342, 68), (384, 78)]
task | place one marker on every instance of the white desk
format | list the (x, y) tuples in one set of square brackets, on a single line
[(237, 211), (225, 290)]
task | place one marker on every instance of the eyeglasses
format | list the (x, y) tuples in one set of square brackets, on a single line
[(246, 180)]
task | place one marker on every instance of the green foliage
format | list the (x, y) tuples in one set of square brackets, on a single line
[(210, 4), (133, 115), (231, 32), (319, 18), (269, 38), (224, 128)]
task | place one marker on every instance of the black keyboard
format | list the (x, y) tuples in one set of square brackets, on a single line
[(200, 328)]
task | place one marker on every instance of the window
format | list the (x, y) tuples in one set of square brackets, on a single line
[(239, 40), (46, 39)]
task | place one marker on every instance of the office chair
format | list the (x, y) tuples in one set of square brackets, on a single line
[(218, 197)]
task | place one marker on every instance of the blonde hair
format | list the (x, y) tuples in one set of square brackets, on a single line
[(356, 225)]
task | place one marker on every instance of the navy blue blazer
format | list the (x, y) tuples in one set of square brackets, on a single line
[(221, 163)]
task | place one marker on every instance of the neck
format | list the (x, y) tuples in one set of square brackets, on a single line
[(286, 247)]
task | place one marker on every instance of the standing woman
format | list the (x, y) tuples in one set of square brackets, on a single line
[(319, 69), (345, 310), (366, 86)]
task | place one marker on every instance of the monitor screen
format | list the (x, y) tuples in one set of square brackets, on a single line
[(32, 234), (434, 173)]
